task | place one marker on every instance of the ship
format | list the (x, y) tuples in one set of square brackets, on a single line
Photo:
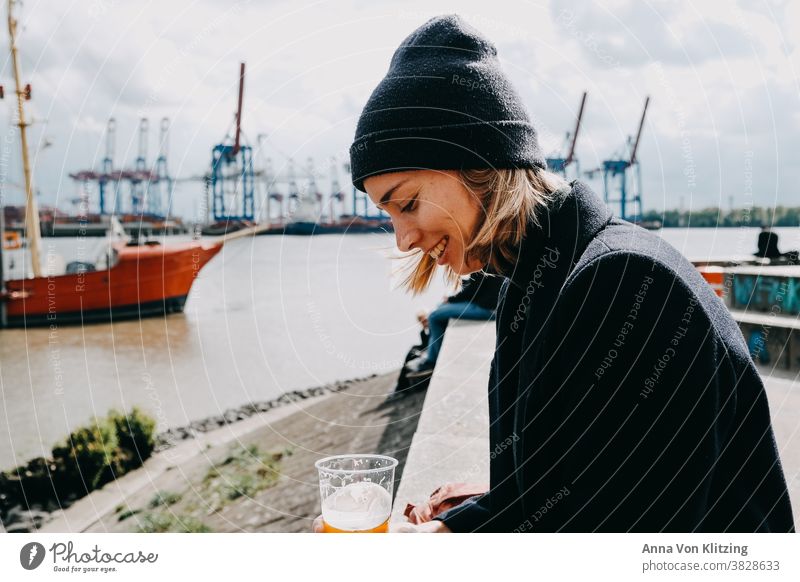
[(346, 223), (137, 280), (131, 279), (305, 220)]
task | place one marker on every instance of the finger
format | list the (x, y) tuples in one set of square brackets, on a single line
[(317, 526)]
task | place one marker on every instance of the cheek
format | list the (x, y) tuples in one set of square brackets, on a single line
[(432, 217), (466, 215)]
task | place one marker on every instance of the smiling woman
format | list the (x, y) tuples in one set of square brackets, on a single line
[(589, 309), (463, 220)]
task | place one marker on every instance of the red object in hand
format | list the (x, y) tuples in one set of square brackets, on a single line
[(446, 497)]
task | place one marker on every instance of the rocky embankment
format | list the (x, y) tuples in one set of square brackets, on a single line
[(172, 436)]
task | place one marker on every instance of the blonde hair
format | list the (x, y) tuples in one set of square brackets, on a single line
[(509, 200)]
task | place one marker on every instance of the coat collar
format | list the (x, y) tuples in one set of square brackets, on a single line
[(566, 227)]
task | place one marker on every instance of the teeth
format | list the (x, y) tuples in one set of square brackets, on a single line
[(437, 251)]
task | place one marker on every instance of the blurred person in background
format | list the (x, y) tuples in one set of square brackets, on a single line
[(476, 300)]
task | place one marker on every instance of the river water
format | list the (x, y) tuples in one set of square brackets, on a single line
[(268, 314)]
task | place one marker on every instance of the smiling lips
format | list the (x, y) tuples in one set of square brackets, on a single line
[(438, 250)]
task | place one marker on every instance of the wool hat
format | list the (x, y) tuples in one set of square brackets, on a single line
[(444, 104)]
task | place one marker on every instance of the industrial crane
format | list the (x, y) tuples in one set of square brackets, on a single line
[(616, 180), (108, 163), (162, 189), (337, 195), (232, 176), (139, 179), (145, 184), (559, 164)]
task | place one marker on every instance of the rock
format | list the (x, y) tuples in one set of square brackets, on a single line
[(285, 399)]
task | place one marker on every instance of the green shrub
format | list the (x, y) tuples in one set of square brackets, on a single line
[(136, 436), (88, 458), (94, 455), (88, 453)]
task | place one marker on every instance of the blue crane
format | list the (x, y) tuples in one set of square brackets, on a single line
[(618, 186), (232, 179), (108, 163), (138, 190), (163, 189), (559, 164)]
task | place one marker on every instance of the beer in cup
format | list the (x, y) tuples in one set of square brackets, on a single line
[(356, 493)]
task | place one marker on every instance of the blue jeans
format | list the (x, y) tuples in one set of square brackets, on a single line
[(438, 318)]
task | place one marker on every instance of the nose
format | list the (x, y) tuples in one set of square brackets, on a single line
[(407, 237)]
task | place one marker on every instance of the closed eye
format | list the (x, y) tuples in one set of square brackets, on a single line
[(410, 206)]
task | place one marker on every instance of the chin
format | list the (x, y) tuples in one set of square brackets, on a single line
[(463, 268)]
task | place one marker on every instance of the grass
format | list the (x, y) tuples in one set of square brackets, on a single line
[(126, 514), (163, 522), (164, 498), (243, 473)]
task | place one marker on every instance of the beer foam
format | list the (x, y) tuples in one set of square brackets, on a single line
[(357, 507)]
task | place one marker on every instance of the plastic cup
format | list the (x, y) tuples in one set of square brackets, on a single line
[(356, 493)]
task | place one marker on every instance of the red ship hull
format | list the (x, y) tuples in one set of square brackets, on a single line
[(146, 280)]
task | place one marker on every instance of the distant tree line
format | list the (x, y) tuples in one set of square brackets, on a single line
[(716, 217)]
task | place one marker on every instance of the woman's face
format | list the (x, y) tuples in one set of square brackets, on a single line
[(430, 210)]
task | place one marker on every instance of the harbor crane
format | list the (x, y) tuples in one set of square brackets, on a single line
[(232, 175), (622, 178), (559, 164), (147, 186)]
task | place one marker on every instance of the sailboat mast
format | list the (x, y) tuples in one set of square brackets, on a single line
[(32, 227)]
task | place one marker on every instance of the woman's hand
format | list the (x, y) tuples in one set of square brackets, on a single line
[(434, 526)]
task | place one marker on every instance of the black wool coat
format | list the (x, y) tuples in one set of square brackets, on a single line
[(622, 396)]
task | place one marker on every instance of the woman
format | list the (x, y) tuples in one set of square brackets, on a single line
[(625, 384)]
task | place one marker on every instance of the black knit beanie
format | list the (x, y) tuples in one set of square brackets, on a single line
[(444, 104)]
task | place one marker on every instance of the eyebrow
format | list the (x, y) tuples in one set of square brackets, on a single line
[(388, 196)]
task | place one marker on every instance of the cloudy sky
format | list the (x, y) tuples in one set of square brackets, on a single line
[(722, 77)]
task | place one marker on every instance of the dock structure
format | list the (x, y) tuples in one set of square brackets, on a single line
[(765, 301)]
